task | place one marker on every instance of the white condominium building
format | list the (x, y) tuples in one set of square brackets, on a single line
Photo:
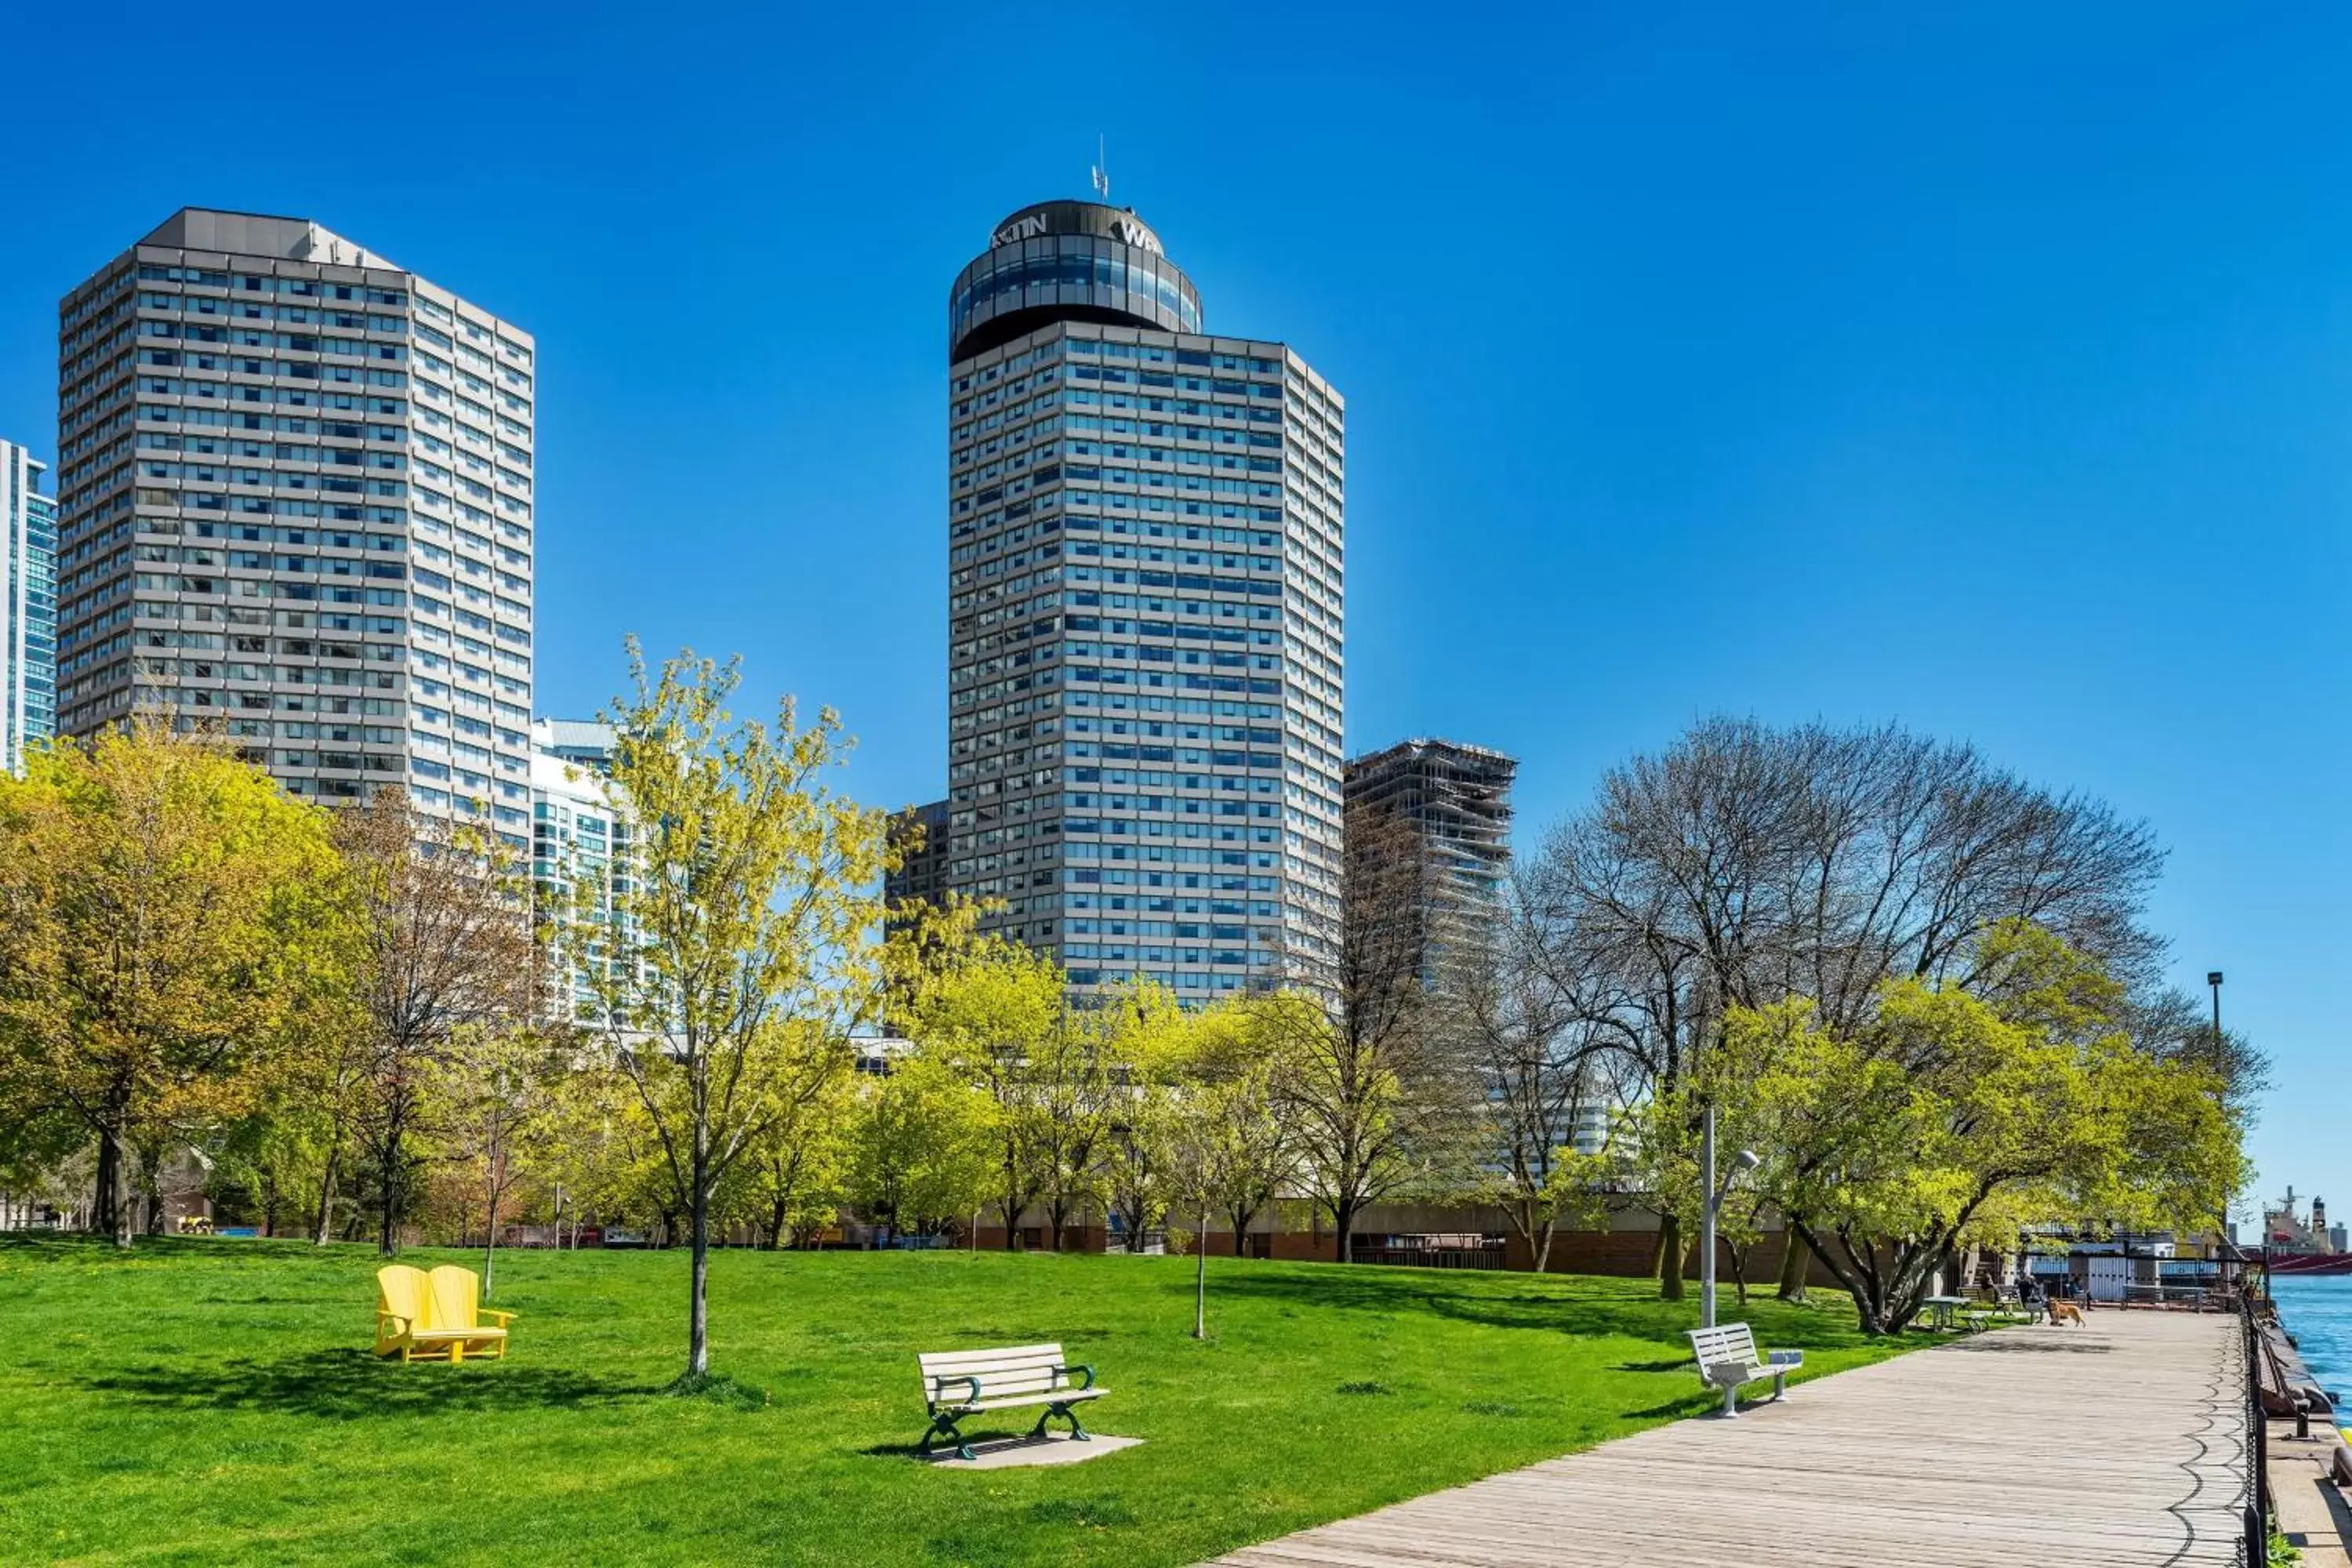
[(296, 490)]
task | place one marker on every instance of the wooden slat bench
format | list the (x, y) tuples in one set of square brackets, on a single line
[(958, 1384), (1728, 1358)]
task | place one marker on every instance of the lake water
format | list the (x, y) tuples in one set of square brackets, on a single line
[(2318, 1313)]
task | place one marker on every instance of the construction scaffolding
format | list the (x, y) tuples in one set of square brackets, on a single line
[(1457, 800)]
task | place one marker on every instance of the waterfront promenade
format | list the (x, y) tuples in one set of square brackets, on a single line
[(2121, 1443)]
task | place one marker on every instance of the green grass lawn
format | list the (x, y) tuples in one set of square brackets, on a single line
[(216, 1401)]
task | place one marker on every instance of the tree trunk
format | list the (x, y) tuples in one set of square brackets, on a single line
[(776, 1225), (1542, 1251), (489, 1241), (125, 1221), (1201, 1278), (388, 1241), (106, 1205), (326, 1198), (1343, 1225), (1242, 1217), (1796, 1260), (697, 1335), (1670, 1257)]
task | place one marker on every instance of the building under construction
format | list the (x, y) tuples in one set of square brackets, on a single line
[(1457, 801)]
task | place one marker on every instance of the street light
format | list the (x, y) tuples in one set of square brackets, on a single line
[(1746, 1159), (2213, 978)]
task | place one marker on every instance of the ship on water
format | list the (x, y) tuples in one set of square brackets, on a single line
[(2295, 1243)]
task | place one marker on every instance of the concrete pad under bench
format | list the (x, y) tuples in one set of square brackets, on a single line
[(1012, 1453)]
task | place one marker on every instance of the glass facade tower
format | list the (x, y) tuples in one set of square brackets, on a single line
[(296, 497), (29, 606), (1145, 600)]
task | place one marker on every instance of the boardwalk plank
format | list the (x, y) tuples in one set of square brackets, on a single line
[(2120, 1445)]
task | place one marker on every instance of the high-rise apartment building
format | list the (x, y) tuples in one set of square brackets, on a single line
[(296, 497), (1145, 600), (919, 835), (1456, 802), (581, 855), (29, 606)]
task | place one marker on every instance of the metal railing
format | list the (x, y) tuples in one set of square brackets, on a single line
[(2258, 1488)]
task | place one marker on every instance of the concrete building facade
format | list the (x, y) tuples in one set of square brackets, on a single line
[(1146, 601), (296, 490), (29, 606)]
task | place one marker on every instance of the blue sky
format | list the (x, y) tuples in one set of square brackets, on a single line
[(1988, 368)]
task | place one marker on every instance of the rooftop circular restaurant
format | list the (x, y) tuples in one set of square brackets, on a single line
[(1067, 261)]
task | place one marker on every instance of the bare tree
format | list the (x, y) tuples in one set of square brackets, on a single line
[(446, 940), (1746, 864), (1379, 1098), (1539, 1026)]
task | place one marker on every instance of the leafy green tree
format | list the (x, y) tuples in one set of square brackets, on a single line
[(747, 934), (1951, 1115), (997, 1014), (164, 912), (923, 1152), (1242, 1151), (793, 1177), (1154, 1049)]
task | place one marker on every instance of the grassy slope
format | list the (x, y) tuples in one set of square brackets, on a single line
[(204, 1401)]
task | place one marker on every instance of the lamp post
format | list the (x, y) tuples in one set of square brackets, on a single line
[(1744, 1160), (2213, 978)]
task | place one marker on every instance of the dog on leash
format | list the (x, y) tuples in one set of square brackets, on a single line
[(2065, 1312)]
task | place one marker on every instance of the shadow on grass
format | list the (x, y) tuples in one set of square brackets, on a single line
[(350, 1384), (1535, 1303)]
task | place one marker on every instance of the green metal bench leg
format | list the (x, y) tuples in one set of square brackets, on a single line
[(1077, 1432), (945, 1427)]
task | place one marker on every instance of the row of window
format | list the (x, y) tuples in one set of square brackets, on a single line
[(257, 283)]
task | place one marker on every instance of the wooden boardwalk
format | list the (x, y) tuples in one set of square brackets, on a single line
[(2119, 1443)]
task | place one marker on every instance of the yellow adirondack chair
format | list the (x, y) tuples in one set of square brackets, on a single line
[(435, 1316)]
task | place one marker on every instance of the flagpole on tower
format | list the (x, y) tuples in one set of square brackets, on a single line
[(1101, 171)]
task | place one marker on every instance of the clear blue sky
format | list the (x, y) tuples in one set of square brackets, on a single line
[(1989, 370)]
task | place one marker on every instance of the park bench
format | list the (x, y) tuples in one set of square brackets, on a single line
[(435, 1317), (958, 1384), (1728, 1358)]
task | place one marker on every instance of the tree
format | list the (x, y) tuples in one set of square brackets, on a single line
[(1951, 1114), (1544, 1048), (1153, 1048), (922, 1149), (1380, 1101), (747, 928), (1746, 865), (162, 906), (443, 941), (793, 1174), (498, 1092), (1668, 1164), (996, 1014)]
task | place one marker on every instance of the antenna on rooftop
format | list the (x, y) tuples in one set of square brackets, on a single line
[(1101, 171)]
